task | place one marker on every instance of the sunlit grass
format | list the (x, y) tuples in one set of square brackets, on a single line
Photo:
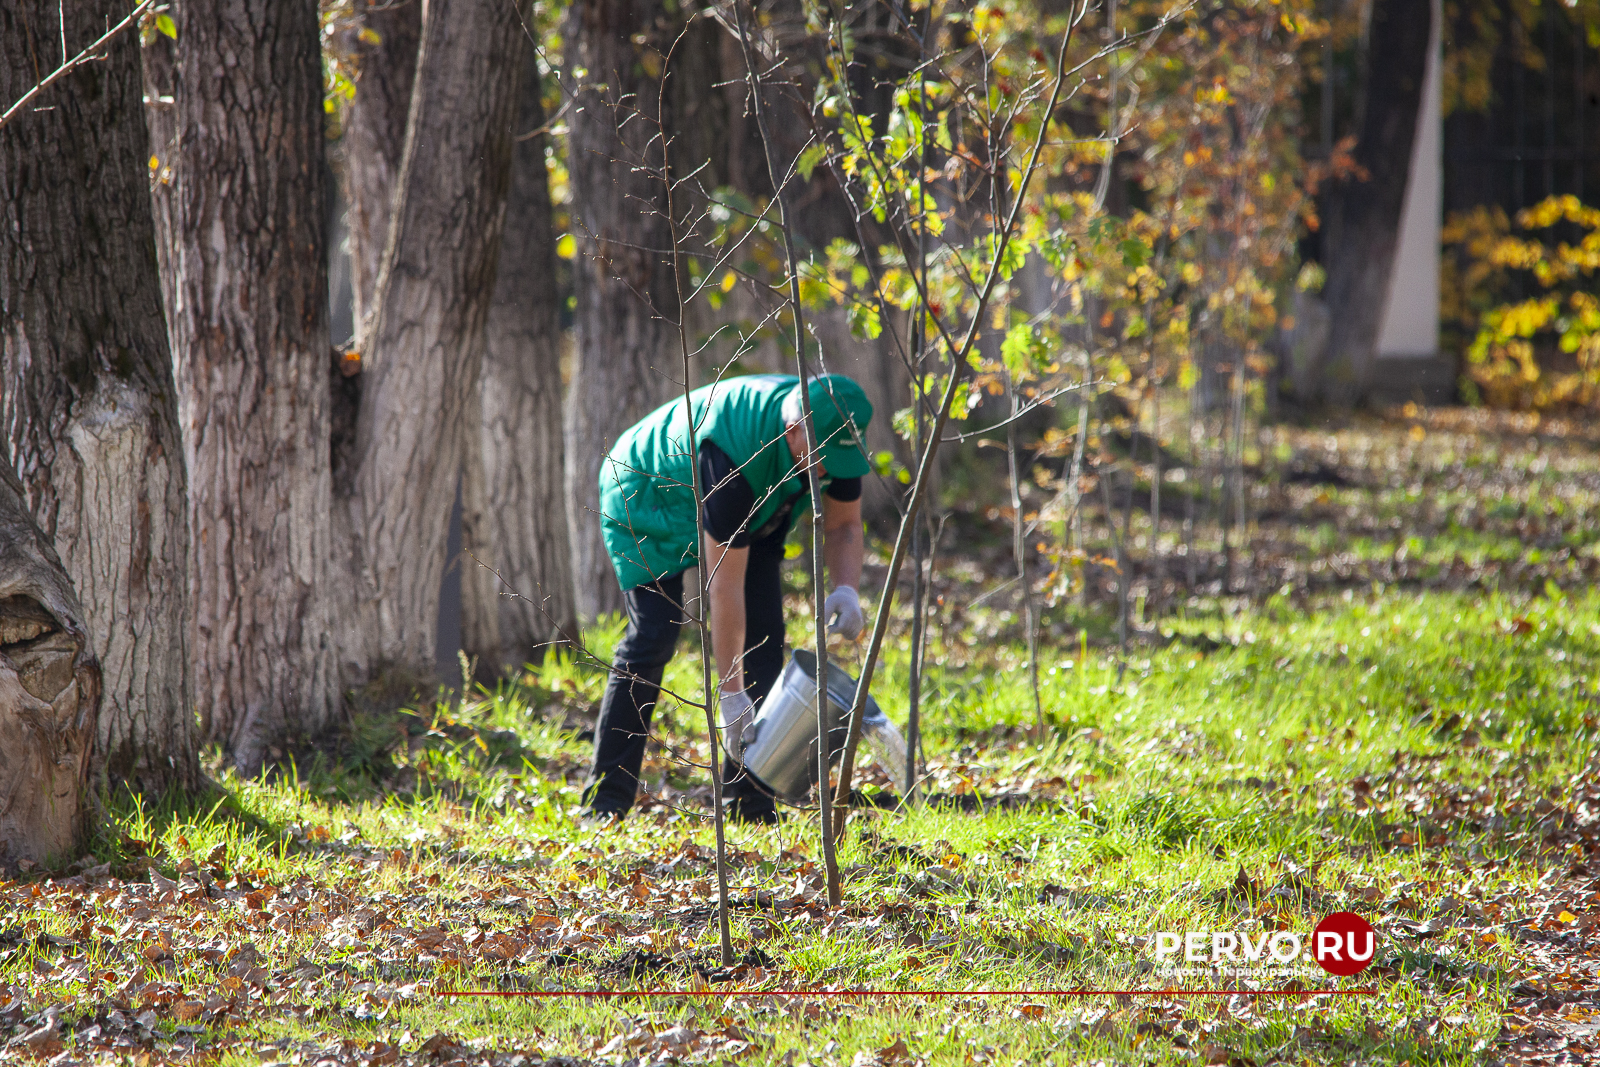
[(1231, 746)]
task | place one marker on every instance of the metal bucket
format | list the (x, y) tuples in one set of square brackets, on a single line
[(781, 744)]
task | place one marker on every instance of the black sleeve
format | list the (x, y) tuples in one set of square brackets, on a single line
[(843, 490), (727, 501)]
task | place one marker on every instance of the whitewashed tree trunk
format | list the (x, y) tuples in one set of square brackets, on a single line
[(87, 404), (250, 329), (1361, 218), (514, 515), (424, 346)]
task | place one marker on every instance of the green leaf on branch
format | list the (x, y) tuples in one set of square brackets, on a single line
[(1022, 350), (1056, 249), (864, 321), (809, 159), (965, 401), (842, 254), (816, 287), (1012, 255)]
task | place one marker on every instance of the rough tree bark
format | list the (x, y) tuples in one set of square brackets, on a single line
[(49, 692), (250, 331), (375, 136), (514, 515), (86, 397), (1362, 218), (622, 275), (426, 336)]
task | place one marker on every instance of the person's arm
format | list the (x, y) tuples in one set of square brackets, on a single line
[(843, 545), (724, 593)]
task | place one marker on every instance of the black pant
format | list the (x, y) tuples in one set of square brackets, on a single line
[(655, 615)]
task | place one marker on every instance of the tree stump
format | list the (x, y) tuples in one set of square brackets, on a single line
[(49, 693)]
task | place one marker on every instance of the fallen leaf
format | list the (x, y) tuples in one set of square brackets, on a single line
[(889, 1056), (439, 1046), (45, 1041), (677, 1039), (430, 937)]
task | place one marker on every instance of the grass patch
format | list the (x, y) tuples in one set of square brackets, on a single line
[(1416, 755)]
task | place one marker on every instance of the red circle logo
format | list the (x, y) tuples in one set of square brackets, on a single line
[(1344, 943)]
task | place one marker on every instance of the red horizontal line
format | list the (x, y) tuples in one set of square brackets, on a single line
[(904, 992)]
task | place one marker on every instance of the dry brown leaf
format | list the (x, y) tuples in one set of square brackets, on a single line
[(44, 1041), (677, 1039), (430, 937)]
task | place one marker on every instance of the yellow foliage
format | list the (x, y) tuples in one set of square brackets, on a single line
[(1542, 351)]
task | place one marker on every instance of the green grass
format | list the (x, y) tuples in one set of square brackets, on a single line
[(1412, 755)]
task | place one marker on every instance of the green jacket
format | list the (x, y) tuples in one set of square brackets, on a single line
[(647, 507)]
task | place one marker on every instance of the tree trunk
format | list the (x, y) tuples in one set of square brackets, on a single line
[(514, 508), (623, 274), (250, 329), (49, 692), (375, 136), (1363, 217), (160, 61), (426, 337), (86, 396)]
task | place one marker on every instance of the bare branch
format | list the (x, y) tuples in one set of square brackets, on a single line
[(88, 55)]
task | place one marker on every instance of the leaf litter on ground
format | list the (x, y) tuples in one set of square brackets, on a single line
[(1418, 753)]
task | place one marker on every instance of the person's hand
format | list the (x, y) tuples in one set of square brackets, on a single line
[(737, 714), (844, 603)]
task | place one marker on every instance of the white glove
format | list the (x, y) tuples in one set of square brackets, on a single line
[(737, 714), (846, 604)]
